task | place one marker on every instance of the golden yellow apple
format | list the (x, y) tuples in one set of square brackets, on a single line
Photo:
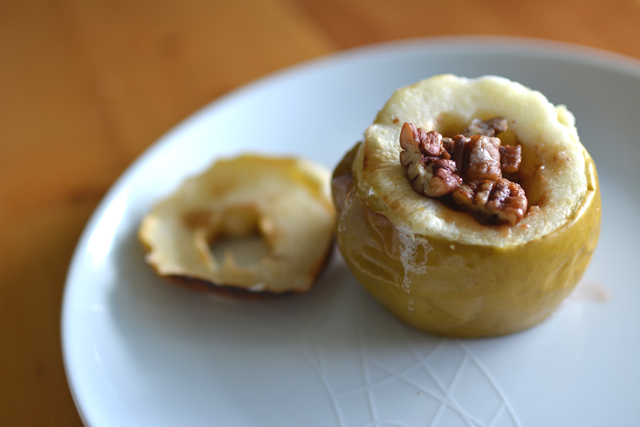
[(438, 268)]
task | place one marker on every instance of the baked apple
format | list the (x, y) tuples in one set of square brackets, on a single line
[(471, 208), (285, 201)]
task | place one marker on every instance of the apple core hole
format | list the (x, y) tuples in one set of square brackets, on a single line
[(245, 250)]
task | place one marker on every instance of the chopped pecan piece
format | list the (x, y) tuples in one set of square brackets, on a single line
[(428, 164), (500, 202), (508, 201), (510, 158), (428, 143), (490, 127), (477, 157)]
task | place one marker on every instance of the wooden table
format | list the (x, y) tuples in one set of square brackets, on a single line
[(85, 87)]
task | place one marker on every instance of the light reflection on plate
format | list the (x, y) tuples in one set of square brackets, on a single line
[(141, 352)]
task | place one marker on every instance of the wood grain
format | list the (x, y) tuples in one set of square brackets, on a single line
[(85, 87), (609, 25)]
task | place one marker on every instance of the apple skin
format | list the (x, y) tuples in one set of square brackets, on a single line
[(447, 288)]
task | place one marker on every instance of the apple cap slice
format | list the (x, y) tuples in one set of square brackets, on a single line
[(285, 201)]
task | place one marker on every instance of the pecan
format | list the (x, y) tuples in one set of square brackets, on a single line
[(428, 164), (469, 167), (499, 202), (508, 201), (428, 143), (510, 158), (477, 157), (490, 127)]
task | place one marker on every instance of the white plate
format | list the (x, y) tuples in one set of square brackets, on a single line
[(140, 352)]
